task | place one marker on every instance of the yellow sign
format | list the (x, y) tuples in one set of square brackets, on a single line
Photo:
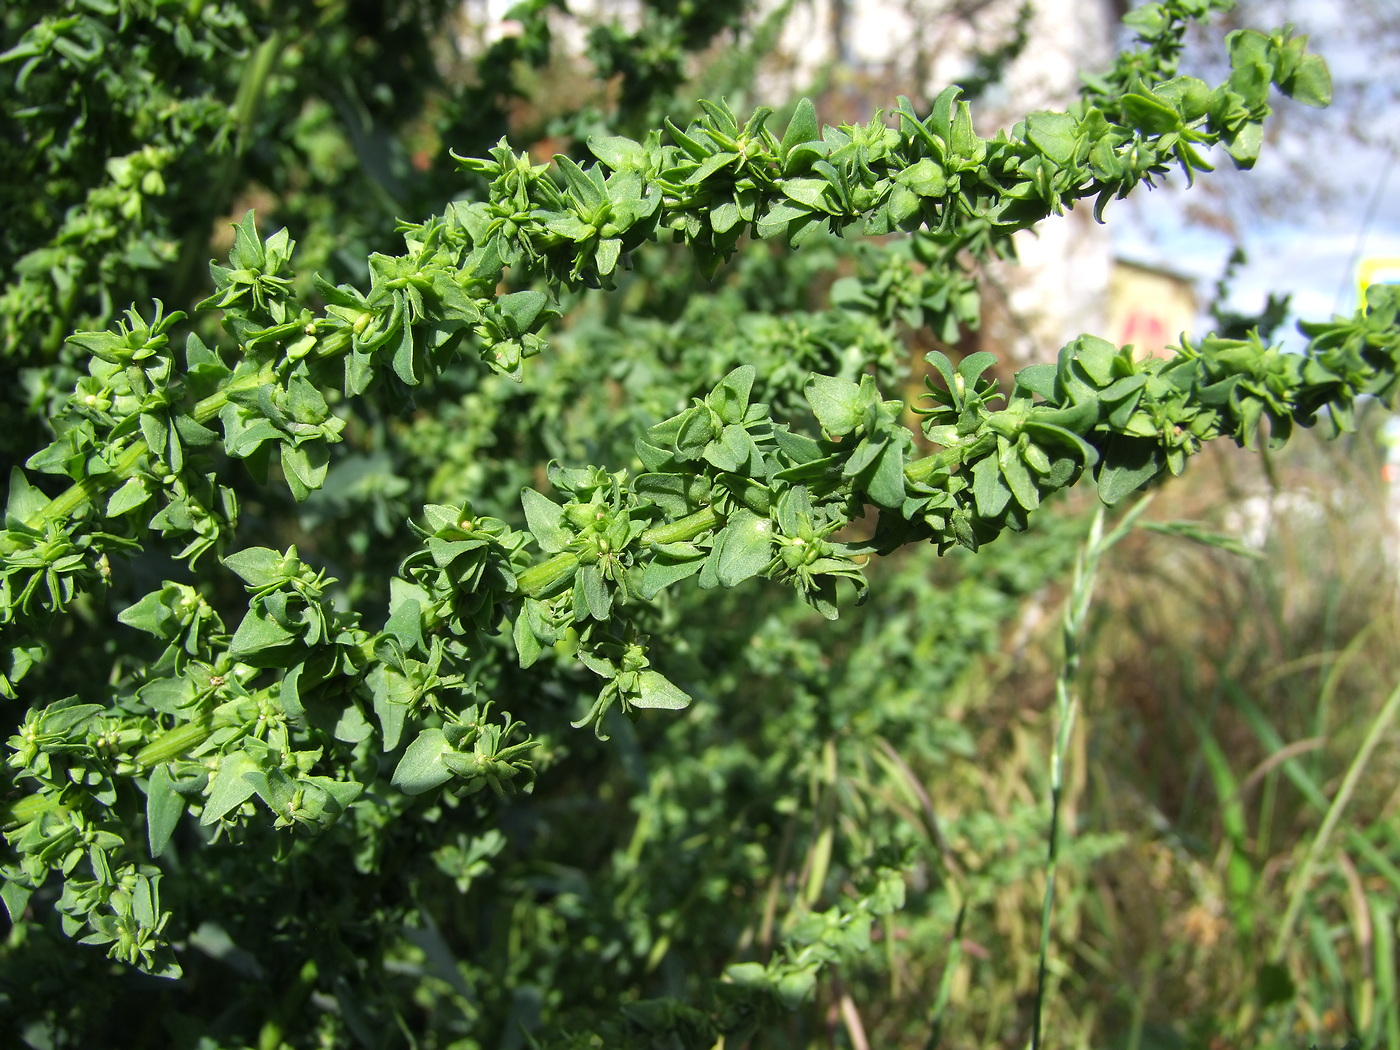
[(1376, 271)]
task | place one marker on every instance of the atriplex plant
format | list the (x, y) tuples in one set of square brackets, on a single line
[(303, 707)]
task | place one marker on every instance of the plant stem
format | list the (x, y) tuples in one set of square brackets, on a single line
[(922, 469), (79, 493), (1076, 618), (540, 579), (173, 744), (26, 809), (85, 491), (687, 528)]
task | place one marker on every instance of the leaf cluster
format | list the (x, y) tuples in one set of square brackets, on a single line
[(275, 710)]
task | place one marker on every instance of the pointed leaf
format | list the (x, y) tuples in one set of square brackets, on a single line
[(655, 690), (545, 519), (835, 402), (744, 549), (229, 788), (801, 128), (730, 397), (618, 153), (422, 768), (164, 807), (25, 500)]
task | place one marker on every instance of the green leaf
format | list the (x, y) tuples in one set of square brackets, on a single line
[(722, 118), (150, 614), (925, 178), (230, 787), (1018, 478), (258, 634), (813, 193), (696, 432), (406, 622), (402, 360), (422, 768), (685, 141), (523, 309), (127, 498), (730, 398), (663, 570), (1189, 95), (352, 726), (801, 128), (606, 254), (713, 163), (886, 482), (579, 182), (1095, 357), (618, 153), (1054, 134), (392, 693), (258, 566), (156, 431), (835, 402), (164, 807), (1311, 84), (655, 690), (1150, 114), (795, 510), (274, 787), (25, 501), (734, 451), (1251, 68), (724, 216), (1038, 380), (66, 715), (595, 592), (676, 494), (305, 467), (965, 141), (15, 898), (972, 366), (527, 646), (1127, 464), (744, 548), (797, 447), (781, 220), (1244, 146), (339, 793), (545, 519), (988, 488), (1149, 20)]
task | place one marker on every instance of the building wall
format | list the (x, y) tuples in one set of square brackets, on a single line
[(1149, 308)]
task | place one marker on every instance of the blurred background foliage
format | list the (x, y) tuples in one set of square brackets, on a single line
[(1228, 687)]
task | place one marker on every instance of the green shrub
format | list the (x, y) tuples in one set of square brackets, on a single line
[(293, 772)]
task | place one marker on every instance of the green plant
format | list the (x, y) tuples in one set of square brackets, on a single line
[(289, 713), (1227, 698)]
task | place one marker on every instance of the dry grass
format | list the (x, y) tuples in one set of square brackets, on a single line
[(1228, 701)]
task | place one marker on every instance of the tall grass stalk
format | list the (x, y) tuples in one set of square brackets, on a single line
[(1072, 632)]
